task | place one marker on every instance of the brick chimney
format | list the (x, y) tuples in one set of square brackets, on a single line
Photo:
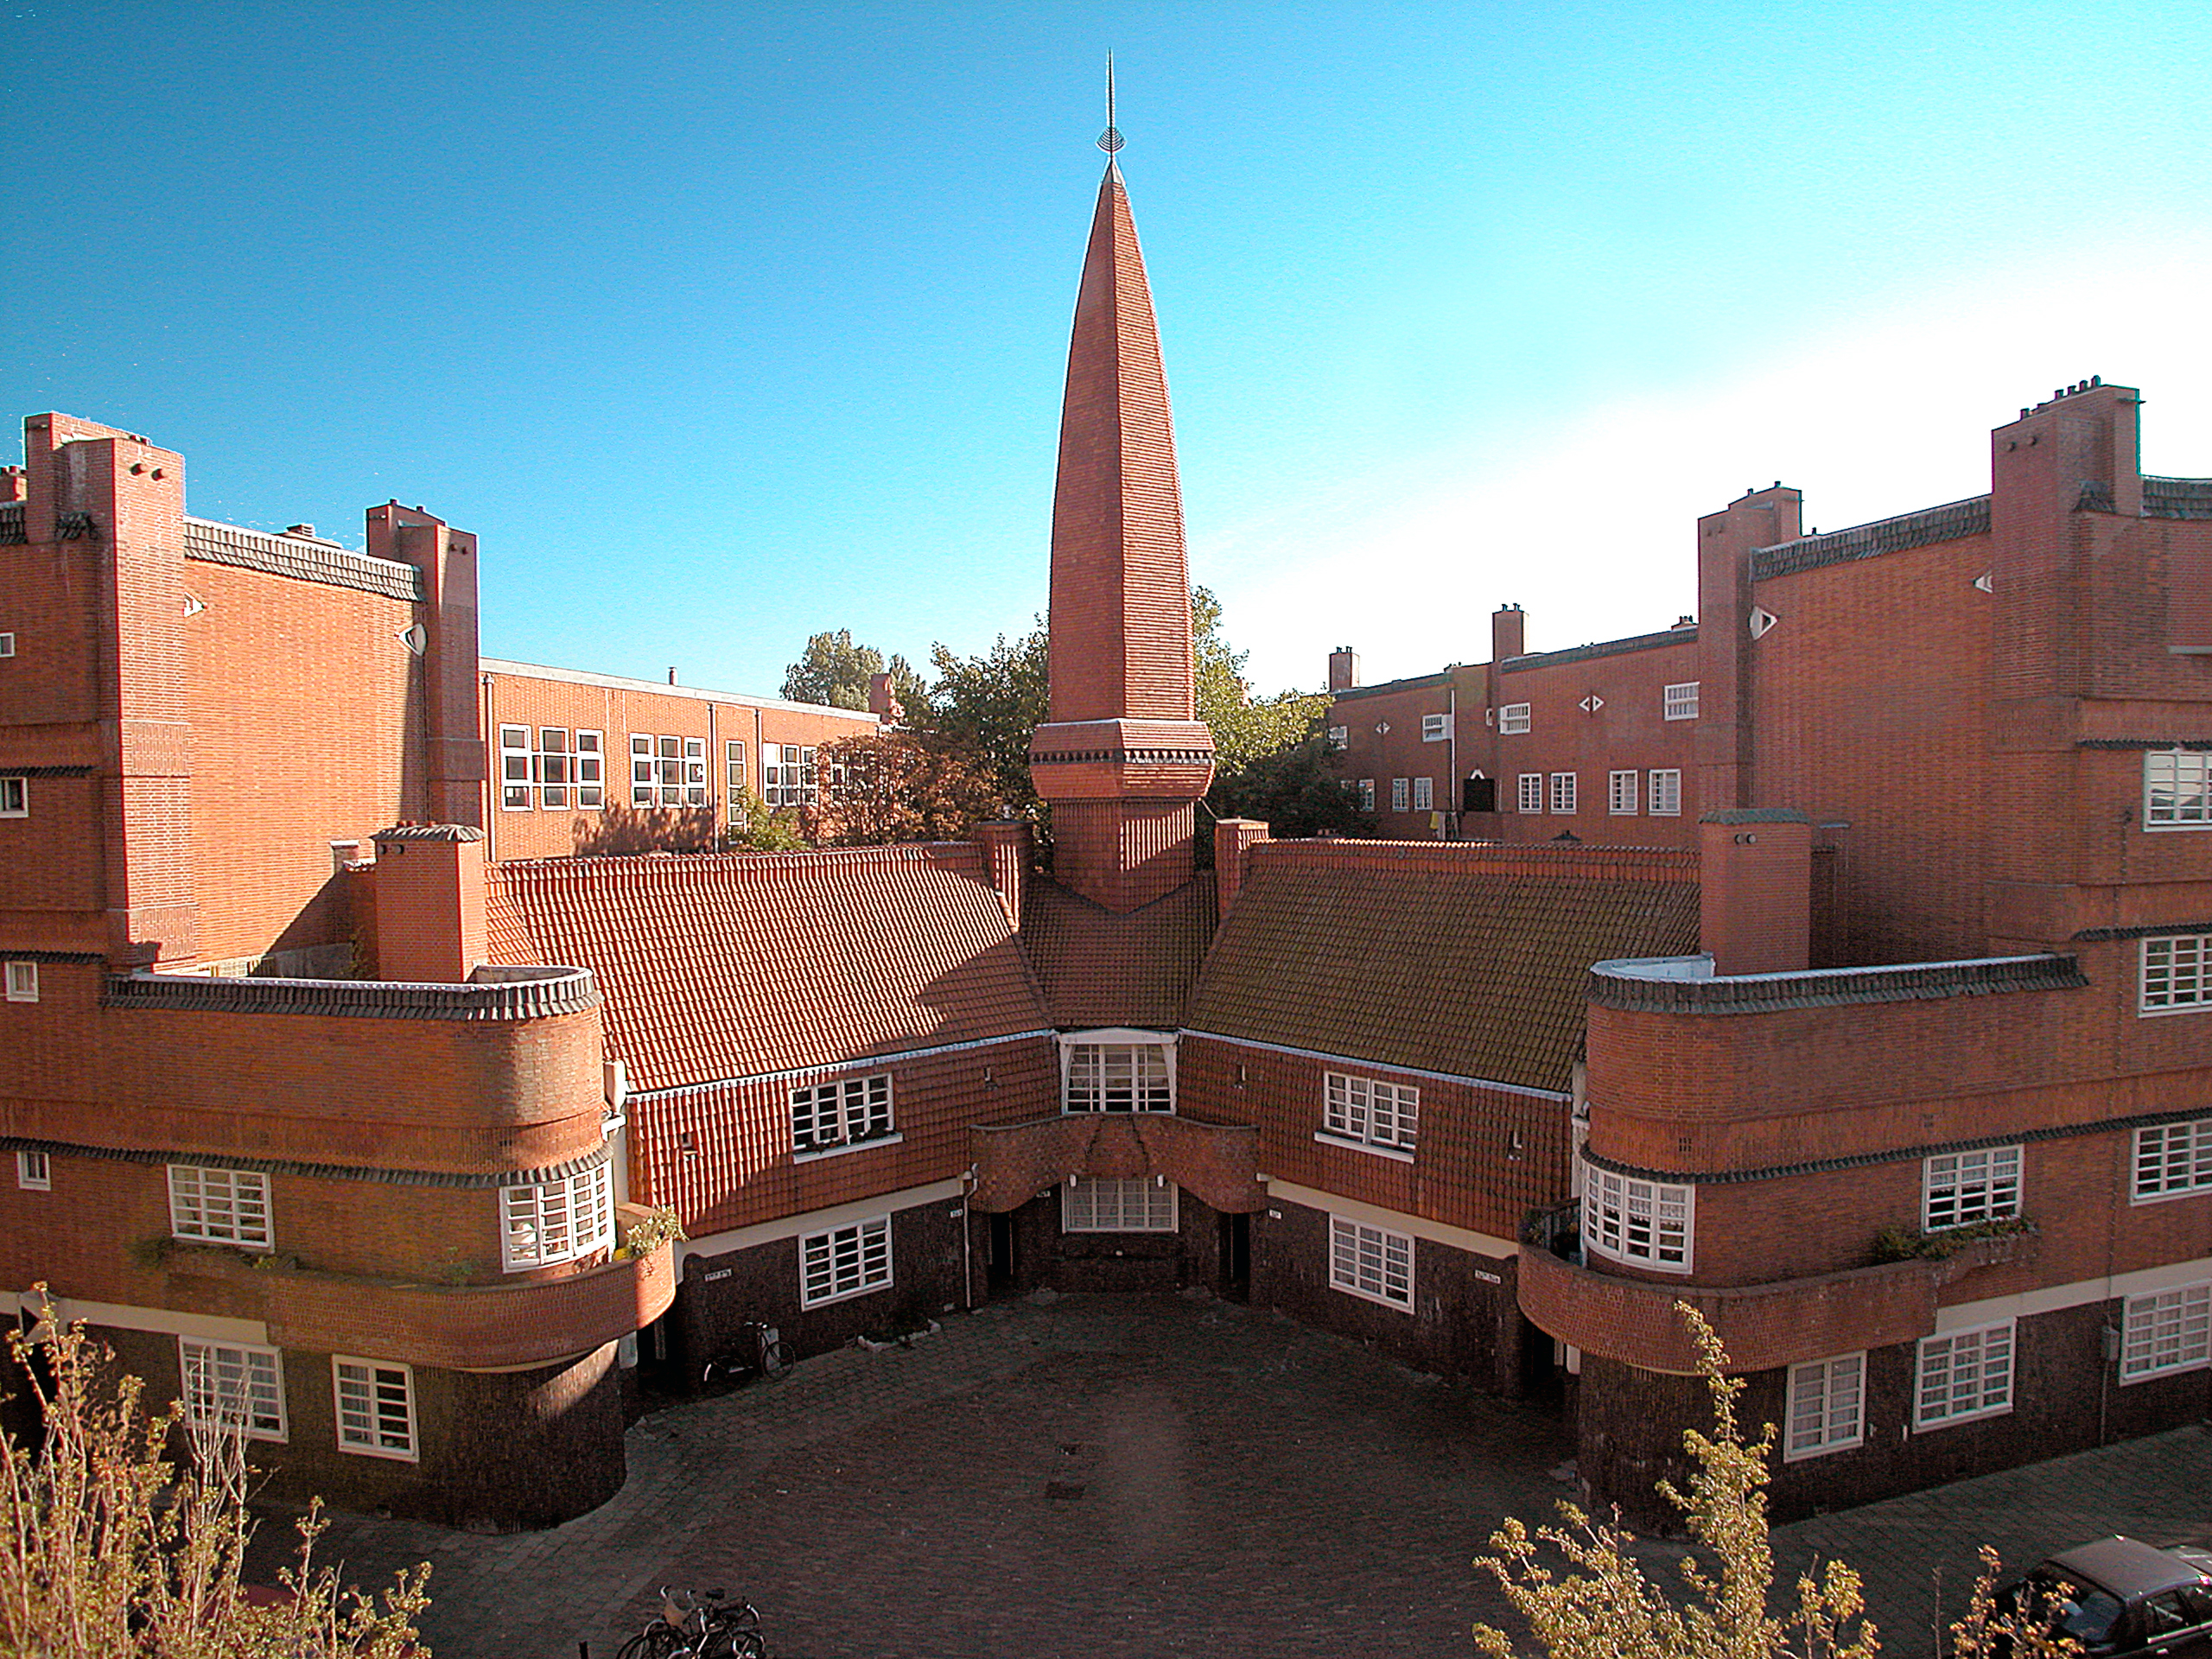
[(883, 702), (1232, 839), (1009, 848), (1508, 633), (1344, 668), (430, 903), (14, 484), (1755, 889)]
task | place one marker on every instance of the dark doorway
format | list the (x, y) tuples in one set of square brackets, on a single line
[(1237, 1257), (998, 1258)]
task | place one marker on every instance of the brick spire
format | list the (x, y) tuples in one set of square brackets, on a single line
[(1124, 758)]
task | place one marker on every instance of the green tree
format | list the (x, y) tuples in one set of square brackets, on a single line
[(836, 671), (107, 1547), (987, 706), (756, 827), (899, 786)]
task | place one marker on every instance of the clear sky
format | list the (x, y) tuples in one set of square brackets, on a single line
[(725, 323)]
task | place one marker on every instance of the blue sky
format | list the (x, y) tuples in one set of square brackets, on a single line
[(723, 324)]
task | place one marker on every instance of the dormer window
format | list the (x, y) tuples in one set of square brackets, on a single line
[(1117, 1071)]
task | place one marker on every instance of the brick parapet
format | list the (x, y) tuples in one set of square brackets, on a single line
[(1215, 1162)]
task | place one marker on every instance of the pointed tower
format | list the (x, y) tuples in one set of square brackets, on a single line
[(1125, 758)]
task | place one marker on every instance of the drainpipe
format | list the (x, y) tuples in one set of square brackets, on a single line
[(1452, 800), (491, 777), (966, 1244)]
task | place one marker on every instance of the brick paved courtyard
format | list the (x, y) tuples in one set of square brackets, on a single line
[(1117, 1476)]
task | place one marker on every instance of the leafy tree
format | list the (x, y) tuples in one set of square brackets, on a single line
[(1293, 791), (760, 828), (987, 706), (108, 1547), (1603, 1607), (899, 786), (836, 671)]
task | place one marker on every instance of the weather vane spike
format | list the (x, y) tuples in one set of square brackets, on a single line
[(1111, 139)]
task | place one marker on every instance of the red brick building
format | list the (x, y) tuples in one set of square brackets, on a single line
[(1829, 963)]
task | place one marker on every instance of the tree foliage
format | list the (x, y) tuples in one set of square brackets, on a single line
[(756, 827), (986, 707), (835, 670), (109, 1548), (899, 786)]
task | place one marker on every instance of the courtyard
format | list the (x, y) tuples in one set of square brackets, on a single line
[(1114, 1476)]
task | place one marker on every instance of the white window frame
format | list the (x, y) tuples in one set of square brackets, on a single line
[(734, 776), (14, 798), (1338, 741), (1644, 1223), (1400, 794), (7, 645), (213, 1206), (1368, 1112), (2173, 1160), (1424, 795), (33, 1171), (257, 1398), (366, 1391), (1512, 719), (1826, 1409), (588, 759), (1371, 1262), (1620, 793), (1529, 796), (853, 1260), (22, 981), (642, 769), (841, 1114), (1090, 1061), (1958, 1189), (1679, 702), (553, 766), (1938, 1362), (1665, 793), (1109, 1203), (1435, 728), (1367, 794), (2175, 974), (552, 1222), (2178, 789), (2166, 1332), (1564, 788), (516, 762)]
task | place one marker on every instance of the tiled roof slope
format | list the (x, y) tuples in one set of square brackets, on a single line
[(1099, 969), (734, 965), (1466, 958)]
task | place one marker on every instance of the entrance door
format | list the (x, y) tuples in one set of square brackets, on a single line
[(998, 1260)]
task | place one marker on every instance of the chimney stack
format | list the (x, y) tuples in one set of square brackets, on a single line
[(1233, 840), (1755, 889), (1008, 844), (1508, 633), (430, 903), (1344, 668)]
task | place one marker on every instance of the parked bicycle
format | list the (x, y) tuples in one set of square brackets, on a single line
[(758, 1349), (707, 1624)]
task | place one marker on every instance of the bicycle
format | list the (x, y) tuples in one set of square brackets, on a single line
[(759, 1348), (707, 1625)]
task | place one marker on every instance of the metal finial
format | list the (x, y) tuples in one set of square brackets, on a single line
[(1111, 139)]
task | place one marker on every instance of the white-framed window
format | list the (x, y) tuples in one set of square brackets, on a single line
[(1963, 1374), (376, 1407), (787, 774), (34, 1172), (1960, 1188), (1367, 794), (553, 767), (1424, 794), (1512, 719), (1666, 793), (840, 1113), (844, 1261), (733, 777), (221, 1206), (2178, 790), (590, 766), (1118, 1077), (2173, 1159), (15, 798), (1827, 1409), (1649, 1224), (1339, 739), (1434, 728), (667, 770), (1679, 702), (1620, 793), (1136, 1204), (1400, 794), (570, 769), (514, 768), (230, 1385), (1371, 1261), (556, 1221), (22, 981), (1374, 1113), (7, 645), (2174, 978), (1531, 795), (2166, 1330), (1563, 791)]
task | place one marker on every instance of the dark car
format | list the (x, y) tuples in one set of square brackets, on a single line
[(2118, 1597)]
